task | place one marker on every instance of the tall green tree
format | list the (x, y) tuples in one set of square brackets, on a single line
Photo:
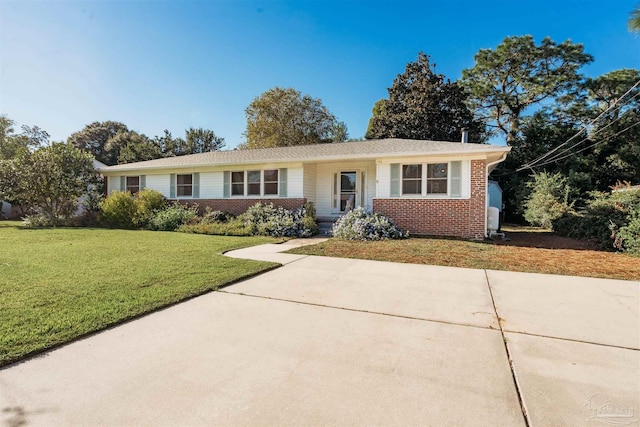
[(131, 146), (201, 141), (377, 112), (49, 180), (94, 138), (519, 74), (597, 159), (423, 105), (285, 117)]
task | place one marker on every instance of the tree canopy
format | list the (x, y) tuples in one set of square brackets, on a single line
[(589, 154), (13, 144), (50, 180), (94, 138), (282, 117), (113, 143), (423, 105), (518, 74)]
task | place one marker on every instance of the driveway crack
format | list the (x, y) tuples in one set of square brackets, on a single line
[(506, 348)]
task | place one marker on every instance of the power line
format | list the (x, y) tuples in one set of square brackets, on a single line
[(615, 103), (549, 160), (590, 146)]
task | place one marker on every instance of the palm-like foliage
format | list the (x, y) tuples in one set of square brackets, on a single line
[(634, 20)]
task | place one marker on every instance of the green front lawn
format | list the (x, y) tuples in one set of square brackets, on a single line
[(59, 284)]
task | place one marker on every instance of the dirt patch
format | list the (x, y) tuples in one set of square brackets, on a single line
[(532, 237)]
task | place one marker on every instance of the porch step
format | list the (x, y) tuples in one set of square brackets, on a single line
[(325, 227)]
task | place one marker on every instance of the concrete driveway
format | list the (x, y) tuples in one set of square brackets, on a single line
[(327, 341)]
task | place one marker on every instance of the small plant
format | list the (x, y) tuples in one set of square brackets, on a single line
[(627, 237), (36, 220), (233, 227), (361, 224), (172, 217), (210, 216)]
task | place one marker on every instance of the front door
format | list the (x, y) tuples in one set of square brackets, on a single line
[(346, 190)]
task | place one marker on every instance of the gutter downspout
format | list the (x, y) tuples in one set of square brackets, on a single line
[(486, 188)]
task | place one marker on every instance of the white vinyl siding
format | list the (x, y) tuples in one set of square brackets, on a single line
[(310, 182), (159, 183), (324, 185), (113, 184), (295, 179), (211, 185)]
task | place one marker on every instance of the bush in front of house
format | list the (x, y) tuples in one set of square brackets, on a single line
[(269, 220), (118, 210), (172, 217), (361, 224), (148, 203), (211, 217), (121, 209)]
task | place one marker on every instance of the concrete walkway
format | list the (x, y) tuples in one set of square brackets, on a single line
[(328, 341)]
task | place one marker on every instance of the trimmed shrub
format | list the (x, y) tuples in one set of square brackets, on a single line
[(148, 202), (361, 224), (268, 220), (118, 210), (172, 217), (233, 227)]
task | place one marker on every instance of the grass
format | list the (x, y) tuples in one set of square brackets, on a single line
[(59, 284), (556, 256)]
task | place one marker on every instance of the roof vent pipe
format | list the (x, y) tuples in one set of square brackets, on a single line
[(465, 135)]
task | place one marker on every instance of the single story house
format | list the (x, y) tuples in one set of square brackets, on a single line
[(426, 187)]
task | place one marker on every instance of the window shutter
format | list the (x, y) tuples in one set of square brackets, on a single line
[(455, 172), (195, 192), (395, 180), (282, 177), (172, 186), (143, 182), (123, 183), (226, 185)]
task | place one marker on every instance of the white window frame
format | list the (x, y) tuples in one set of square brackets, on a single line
[(126, 183), (245, 184), (277, 182), (178, 186), (402, 178), (425, 173)]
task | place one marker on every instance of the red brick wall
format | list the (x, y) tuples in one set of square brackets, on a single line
[(442, 217), (238, 206)]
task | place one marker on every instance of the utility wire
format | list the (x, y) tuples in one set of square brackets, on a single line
[(557, 155), (543, 157), (590, 146)]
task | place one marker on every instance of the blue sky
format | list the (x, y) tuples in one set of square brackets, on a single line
[(157, 65)]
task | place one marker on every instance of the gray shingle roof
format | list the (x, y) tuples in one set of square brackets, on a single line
[(370, 149)]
